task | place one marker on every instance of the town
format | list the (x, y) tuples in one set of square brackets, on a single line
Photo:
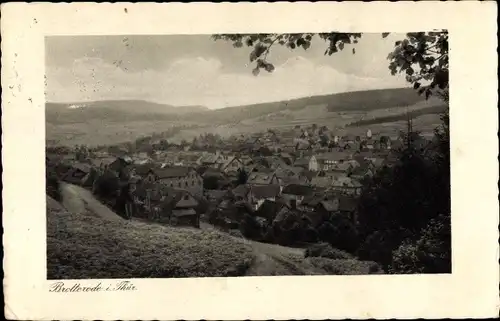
[(251, 183)]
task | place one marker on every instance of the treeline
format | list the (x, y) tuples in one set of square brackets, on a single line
[(401, 116)]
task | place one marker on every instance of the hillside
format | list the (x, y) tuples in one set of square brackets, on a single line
[(85, 243), (115, 111), (111, 122), (360, 101)]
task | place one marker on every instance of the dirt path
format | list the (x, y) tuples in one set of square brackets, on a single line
[(272, 259), (77, 200)]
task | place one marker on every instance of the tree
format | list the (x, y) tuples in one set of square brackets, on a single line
[(107, 185), (323, 140), (211, 182), (250, 228), (242, 176), (422, 56)]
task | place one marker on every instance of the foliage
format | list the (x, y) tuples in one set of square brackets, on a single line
[(345, 266), (340, 232), (242, 176), (422, 56), (52, 186), (327, 251), (211, 182), (430, 253), (250, 228), (107, 185)]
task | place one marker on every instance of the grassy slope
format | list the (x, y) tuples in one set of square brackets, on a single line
[(367, 100), (85, 246)]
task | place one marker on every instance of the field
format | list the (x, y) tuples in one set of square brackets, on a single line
[(113, 122)]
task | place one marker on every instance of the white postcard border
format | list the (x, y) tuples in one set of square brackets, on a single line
[(470, 291)]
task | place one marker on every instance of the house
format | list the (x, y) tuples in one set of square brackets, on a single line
[(361, 173), (232, 164), (269, 209), (289, 175), (385, 142), (240, 192), (140, 170), (148, 199), (322, 182), (289, 148), (377, 162), (259, 178), (340, 169), (346, 185), (287, 158), (259, 194), (295, 193), (215, 196), (230, 213), (245, 159), (114, 164), (347, 206), (178, 177), (89, 179), (327, 160), (77, 173), (275, 162), (302, 162), (212, 160), (319, 209), (180, 209)]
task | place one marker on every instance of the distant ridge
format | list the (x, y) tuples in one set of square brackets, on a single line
[(115, 110), (366, 100)]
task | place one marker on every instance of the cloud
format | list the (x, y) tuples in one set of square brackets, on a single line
[(201, 81)]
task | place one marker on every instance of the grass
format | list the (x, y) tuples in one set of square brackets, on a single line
[(327, 251), (345, 266), (81, 246)]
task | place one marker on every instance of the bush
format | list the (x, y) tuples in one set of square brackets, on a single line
[(345, 266), (431, 253), (325, 250), (107, 186), (52, 187), (340, 232), (211, 182), (250, 228)]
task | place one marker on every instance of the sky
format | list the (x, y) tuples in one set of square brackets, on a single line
[(183, 70)]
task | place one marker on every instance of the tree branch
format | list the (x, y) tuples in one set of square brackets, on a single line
[(270, 45)]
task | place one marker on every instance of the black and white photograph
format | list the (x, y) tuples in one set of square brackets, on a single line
[(224, 155), (250, 161)]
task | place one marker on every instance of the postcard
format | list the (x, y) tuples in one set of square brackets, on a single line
[(250, 160)]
